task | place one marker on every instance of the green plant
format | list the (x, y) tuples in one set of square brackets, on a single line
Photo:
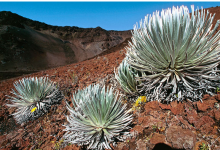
[(217, 90), (126, 78), (204, 146), (97, 117), (179, 54), (58, 144), (33, 97)]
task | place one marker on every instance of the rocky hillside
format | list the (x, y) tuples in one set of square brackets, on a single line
[(28, 46)]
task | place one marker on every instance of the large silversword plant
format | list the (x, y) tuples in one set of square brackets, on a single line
[(97, 118), (178, 52), (33, 97)]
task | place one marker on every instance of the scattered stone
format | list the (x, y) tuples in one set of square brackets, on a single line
[(217, 97), (206, 104), (71, 147), (206, 129), (141, 145), (217, 114), (180, 138), (138, 128), (191, 114), (153, 105), (185, 123), (174, 121), (206, 96), (205, 120), (158, 138), (177, 108), (165, 106), (140, 119), (150, 121), (122, 146), (37, 128)]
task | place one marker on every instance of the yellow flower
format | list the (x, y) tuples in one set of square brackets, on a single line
[(141, 99), (33, 109)]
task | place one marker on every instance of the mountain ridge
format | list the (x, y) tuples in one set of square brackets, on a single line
[(29, 46)]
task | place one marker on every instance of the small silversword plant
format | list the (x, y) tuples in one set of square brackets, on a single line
[(97, 118), (33, 97), (178, 53), (126, 78)]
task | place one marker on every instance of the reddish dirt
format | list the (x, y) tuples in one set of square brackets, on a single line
[(155, 125)]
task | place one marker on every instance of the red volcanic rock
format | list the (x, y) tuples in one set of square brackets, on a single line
[(140, 119), (141, 145), (150, 121), (37, 128), (165, 106), (158, 138), (217, 114), (205, 120), (206, 129), (177, 108), (138, 128), (191, 114), (155, 114), (206, 96), (206, 104), (185, 123), (217, 97), (71, 147), (122, 146), (180, 138), (153, 105), (174, 121)]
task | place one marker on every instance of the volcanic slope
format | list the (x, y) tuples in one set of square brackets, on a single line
[(29, 46), (178, 125)]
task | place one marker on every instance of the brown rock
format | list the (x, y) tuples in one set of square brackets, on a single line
[(206, 129), (165, 106), (140, 120), (185, 123), (138, 128), (122, 146), (217, 97), (216, 147), (205, 120), (217, 114), (157, 138), (155, 114), (206, 104), (174, 121), (71, 147), (180, 138), (206, 96), (3, 140), (141, 145), (149, 121), (153, 105), (37, 128), (191, 114), (177, 108)]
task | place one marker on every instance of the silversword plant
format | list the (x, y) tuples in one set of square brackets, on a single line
[(178, 52), (33, 97), (126, 78), (97, 118)]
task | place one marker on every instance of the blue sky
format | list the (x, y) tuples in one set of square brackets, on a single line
[(108, 15)]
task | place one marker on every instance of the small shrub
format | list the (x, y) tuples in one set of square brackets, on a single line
[(97, 118), (33, 97)]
